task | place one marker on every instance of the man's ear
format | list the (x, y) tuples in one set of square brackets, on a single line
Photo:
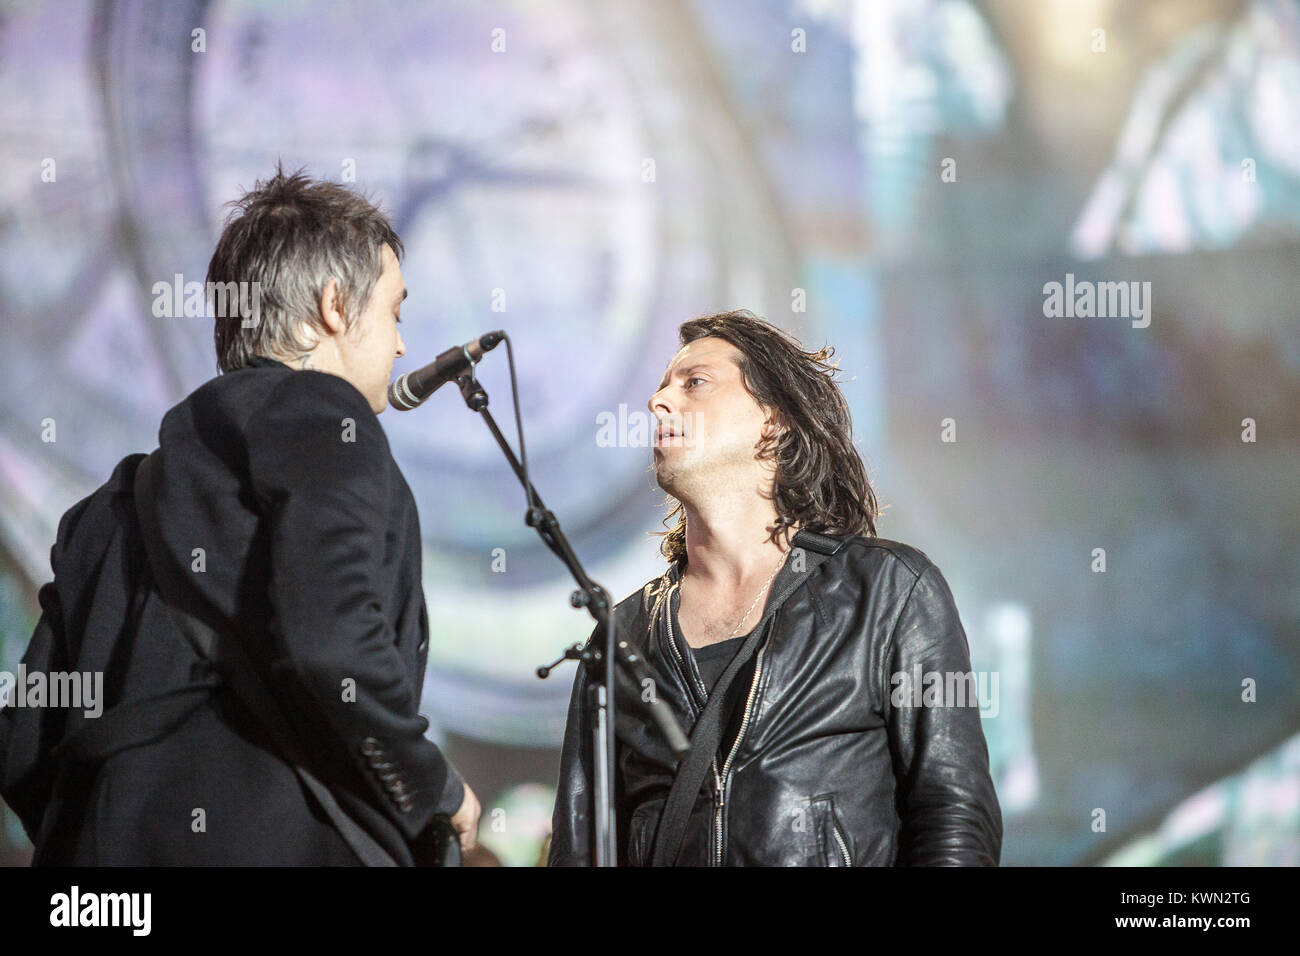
[(776, 424), (331, 307)]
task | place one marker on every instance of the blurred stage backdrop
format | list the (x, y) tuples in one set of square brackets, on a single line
[(902, 179)]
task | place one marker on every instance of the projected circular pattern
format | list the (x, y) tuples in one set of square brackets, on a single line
[(551, 172)]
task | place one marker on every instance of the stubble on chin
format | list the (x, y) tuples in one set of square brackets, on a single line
[(665, 474), (679, 480)]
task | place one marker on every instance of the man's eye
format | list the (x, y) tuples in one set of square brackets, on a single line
[(691, 381)]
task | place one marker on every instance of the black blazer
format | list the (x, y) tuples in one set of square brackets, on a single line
[(281, 504)]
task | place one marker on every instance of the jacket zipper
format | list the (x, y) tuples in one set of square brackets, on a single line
[(726, 765), (691, 675), (687, 672), (839, 839)]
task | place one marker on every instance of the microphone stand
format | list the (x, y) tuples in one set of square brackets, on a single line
[(600, 687)]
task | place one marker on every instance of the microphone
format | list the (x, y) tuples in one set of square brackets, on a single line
[(410, 390)]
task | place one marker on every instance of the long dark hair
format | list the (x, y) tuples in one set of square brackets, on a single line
[(821, 483)]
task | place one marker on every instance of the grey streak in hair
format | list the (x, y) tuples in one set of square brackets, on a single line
[(291, 235)]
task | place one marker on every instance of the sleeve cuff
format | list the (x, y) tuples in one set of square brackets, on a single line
[(453, 794)]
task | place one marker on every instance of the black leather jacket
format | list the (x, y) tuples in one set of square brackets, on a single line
[(817, 766)]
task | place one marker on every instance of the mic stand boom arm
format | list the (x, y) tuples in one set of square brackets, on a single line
[(600, 688)]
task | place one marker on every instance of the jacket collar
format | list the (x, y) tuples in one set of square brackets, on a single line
[(807, 540)]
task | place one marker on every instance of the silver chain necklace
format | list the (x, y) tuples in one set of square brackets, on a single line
[(770, 579)]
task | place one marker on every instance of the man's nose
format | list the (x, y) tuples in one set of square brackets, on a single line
[(659, 402), (401, 346)]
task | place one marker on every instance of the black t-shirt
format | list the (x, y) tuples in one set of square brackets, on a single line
[(712, 660)]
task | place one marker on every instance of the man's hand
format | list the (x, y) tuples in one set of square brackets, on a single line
[(465, 820)]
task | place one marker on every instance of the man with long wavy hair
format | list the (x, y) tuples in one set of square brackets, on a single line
[(789, 639)]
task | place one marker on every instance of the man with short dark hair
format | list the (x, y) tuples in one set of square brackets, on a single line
[(289, 528), (780, 630)]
